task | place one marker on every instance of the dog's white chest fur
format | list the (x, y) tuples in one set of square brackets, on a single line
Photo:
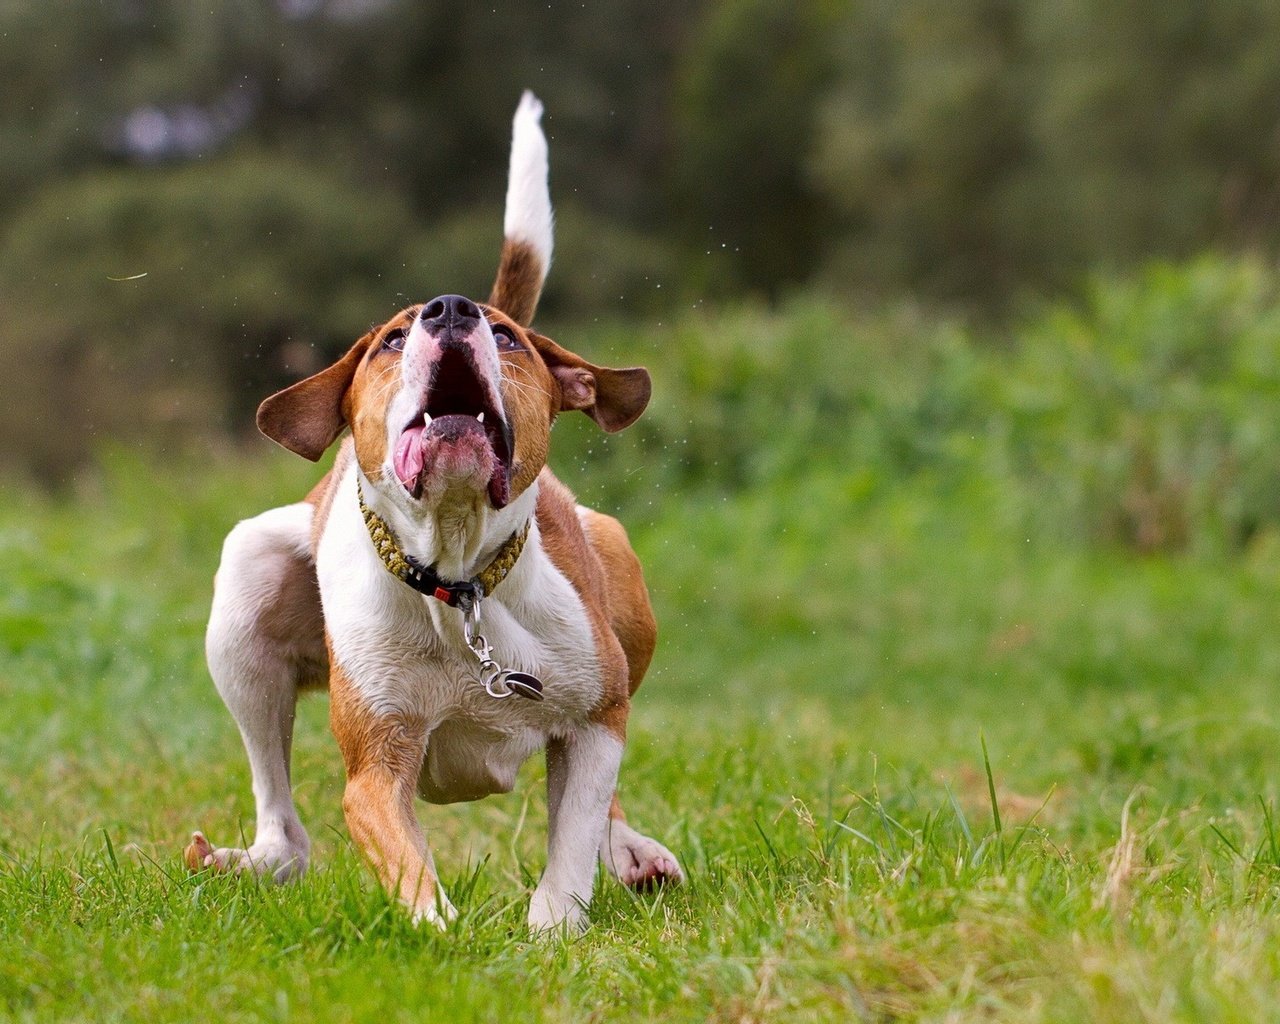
[(405, 654)]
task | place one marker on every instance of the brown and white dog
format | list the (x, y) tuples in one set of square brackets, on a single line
[(462, 609)]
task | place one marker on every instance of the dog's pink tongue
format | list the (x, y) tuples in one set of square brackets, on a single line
[(408, 456)]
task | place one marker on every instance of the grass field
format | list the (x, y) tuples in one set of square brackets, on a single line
[(815, 758), (922, 759)]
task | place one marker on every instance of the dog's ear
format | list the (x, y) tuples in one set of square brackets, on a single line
[(613, 398), (308, 416)]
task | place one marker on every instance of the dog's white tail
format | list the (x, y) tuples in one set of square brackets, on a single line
[(526, 248)]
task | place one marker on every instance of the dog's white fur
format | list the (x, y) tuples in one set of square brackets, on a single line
[(528, 216), (406, 652)]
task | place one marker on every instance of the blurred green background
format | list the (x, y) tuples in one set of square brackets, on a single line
[(199, 203)]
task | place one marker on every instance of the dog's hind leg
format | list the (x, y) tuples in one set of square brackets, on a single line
[(630, 857), (265, 640), (633, 859)]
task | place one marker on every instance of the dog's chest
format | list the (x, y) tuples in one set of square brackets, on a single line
[(408, 654), (405, 654)]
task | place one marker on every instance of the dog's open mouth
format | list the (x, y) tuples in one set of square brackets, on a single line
[(459, 432)]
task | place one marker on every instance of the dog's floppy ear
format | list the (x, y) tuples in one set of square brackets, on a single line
[(308, 416), (613, 398)]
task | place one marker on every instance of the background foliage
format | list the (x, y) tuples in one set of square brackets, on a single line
[(284, 173)]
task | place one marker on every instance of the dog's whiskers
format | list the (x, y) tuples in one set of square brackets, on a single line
[(528, 388), (385, 386), (531, 388)]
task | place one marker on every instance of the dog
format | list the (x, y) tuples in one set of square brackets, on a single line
[(462, 610)]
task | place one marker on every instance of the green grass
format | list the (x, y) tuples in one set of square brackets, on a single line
[(812, 742)]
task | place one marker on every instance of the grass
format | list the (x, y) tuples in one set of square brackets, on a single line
[(918, 765), (964, 707)]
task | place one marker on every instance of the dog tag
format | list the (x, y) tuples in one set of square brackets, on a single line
[(524, 684)]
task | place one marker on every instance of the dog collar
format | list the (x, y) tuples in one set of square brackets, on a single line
[(498, 682), (425, 579)]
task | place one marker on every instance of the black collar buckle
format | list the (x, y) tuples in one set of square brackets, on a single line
[(426, 580)]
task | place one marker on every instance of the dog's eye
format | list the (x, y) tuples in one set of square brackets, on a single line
[(505, 340), (394, 340)]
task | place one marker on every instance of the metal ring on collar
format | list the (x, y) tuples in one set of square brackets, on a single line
[(490, 673)]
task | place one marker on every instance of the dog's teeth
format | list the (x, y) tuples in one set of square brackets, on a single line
[(480, 417)]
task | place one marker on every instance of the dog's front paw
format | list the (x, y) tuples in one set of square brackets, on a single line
[(439, 912), (278, 862), (551, 912), (637, 861)]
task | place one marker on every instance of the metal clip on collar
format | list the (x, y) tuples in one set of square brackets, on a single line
[(498, 682)]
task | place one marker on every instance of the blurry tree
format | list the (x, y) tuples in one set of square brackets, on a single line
[(974, 149), (747, 90), (1158, 126), (286, 171), (135, 305), (200, 202), (923, 146), (89, 83)]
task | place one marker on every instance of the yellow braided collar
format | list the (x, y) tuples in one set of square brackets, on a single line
[(426, 580)]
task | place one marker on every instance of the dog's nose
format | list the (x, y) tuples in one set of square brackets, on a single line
[(449, 313)]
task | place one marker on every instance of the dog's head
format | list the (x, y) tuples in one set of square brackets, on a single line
[(449, 396), (454, 397)]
